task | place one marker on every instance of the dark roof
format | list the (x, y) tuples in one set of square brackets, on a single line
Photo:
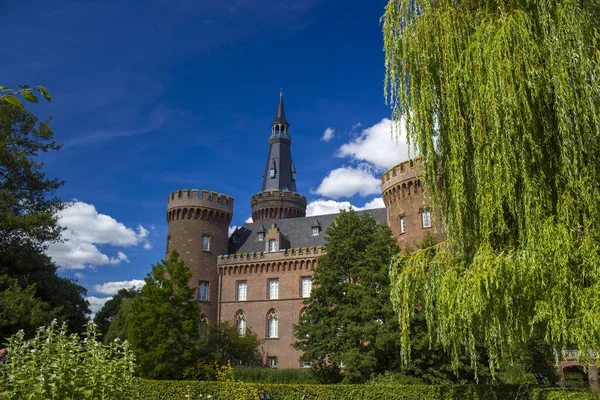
[(297, 232), (280, 117)]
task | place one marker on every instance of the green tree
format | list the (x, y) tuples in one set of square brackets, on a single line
[(164, 322), (110, 309), (501, 100), (119, 326), (28, 212), (349, 318), (9, 96)]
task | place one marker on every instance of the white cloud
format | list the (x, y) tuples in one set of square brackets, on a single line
[(84, 230), (114, 287), (376, 145), (248, 220), (323, 206), (96, 303), (79, 275), (328, 134), (348, 181)]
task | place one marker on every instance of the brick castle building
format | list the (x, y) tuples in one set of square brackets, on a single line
[(260, 276)]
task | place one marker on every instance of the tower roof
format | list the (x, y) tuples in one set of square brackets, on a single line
[(280, 117)]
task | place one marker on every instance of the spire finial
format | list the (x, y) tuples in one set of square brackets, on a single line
[(280, 116)]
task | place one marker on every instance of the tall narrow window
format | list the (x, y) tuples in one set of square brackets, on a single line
[(242, 290), (426, 217), (273, 288), (272, 245), (202, 291), (273, 324), (205, 243), (403, 224), (306, 286), (241, 323)]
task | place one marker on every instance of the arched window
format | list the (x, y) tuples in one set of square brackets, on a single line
[(273, 324), (241, 323), (202, 325)]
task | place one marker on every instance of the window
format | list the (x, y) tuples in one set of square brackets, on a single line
[(261, 236), (306, 286), (205, 243), (315, 230), (272, 245), (272, 361), (273, 288), (242, 290), (273, 325), (202, 291), (426, 217), (272, 172), (403, 224), (241, 323)]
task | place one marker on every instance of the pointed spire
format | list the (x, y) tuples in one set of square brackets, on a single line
[(280, 117)]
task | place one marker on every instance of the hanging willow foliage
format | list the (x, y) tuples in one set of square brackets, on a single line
[(502, 100)]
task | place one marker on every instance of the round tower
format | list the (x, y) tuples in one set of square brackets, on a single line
[(408, 208), (198, 228)]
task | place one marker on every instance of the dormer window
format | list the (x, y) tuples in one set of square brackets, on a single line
[(261, 236), (272, 245), (316, 230), (272, 173)]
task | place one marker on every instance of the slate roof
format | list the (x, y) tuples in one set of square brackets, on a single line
[(296, 232), (280, 117)]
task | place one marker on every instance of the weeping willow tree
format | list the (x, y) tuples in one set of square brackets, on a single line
[(501, 99)]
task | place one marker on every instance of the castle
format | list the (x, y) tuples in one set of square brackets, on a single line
[(260, 276)]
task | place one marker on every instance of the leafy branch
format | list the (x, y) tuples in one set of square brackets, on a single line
[(8, 95)]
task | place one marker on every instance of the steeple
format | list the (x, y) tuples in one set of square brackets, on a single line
[(278, 198), (280, 126)]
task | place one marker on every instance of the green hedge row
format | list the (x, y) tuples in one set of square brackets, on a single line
[(178, 390)]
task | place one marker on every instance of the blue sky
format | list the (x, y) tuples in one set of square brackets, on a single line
[(155, 96)]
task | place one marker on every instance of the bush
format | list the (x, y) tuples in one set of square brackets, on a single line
[(271, 375), (176, 390), (561, 394), (56, 365)]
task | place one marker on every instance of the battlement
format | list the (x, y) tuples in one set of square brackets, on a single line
[(313, 251), (405, 171), (277, 195), (202, 198)]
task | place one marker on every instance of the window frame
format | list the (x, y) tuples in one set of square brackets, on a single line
[(426, 213), (260, 236), (238, 292), (200, 291), (273, 247), (273, 325), (272, 362), (402, 222), (270, 293), (302, 280), (316, 231), (241, 318), (205, 243)]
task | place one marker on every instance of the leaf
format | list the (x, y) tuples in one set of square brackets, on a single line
[(29, 96), (45, 92), (12, 100), (4, 88)]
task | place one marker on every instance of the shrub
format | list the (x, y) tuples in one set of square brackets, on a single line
[(270, 375), (54, 365)]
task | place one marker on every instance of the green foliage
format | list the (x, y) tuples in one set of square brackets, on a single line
[(54, 365), (28, 210), (119, 327), (164, 322), (349, 317), (19, 308), (273, 375), (110, 310), (555, 394), (175, 390), (501, 100), (9, 96), (220, 346)]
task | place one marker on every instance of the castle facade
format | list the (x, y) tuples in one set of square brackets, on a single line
[(260, 277)]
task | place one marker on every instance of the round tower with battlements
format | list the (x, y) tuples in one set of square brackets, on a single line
[(278, 198), (408, 208), (198, 228)]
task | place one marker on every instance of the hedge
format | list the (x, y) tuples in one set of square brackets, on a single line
[(177, 390)]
